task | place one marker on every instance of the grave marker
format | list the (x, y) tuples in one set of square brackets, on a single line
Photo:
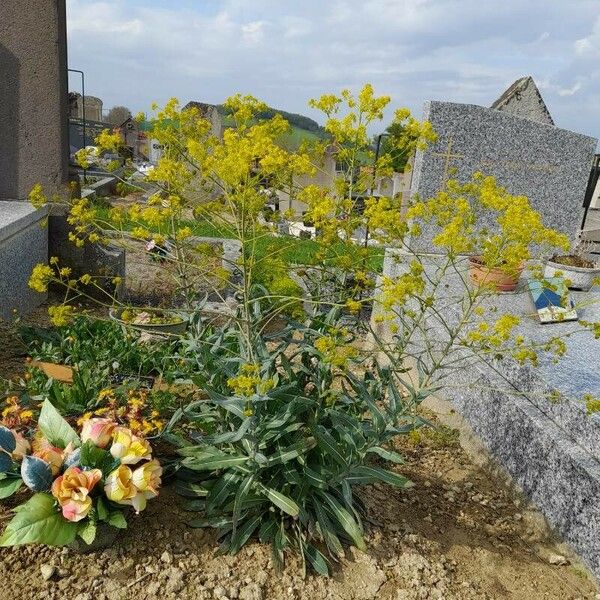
[(547, 164)]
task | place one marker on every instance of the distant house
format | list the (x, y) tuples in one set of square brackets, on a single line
[(209, 112), (135, 136)]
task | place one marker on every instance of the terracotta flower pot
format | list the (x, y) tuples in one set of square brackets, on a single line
[(494, 277)]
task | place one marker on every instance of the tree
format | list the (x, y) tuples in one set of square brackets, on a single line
[(398, 143), (118, 115)]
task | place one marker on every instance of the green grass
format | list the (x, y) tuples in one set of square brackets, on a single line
[(290, 249)]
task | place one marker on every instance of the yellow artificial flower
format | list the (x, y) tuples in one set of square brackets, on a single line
[(128, 448)]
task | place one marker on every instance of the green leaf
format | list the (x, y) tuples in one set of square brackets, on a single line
[(346, 520), (370, 474), (242, 535), (387, 454), (267, 531), (211, 461), (210, 522), (329, 536), (286, 504), (242, 492), (87, 532), (93, 457), (56, 430), (293, 451), (220, 492), (39, 522), (316, 559), (102, 509), (117, 519), (9, 486), (327, 442)]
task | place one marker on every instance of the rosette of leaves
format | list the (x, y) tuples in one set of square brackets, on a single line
[(281, 464), (39, 520)]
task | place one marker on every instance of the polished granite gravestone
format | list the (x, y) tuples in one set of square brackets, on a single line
[(23, 244), (532, 420), (547, 164)]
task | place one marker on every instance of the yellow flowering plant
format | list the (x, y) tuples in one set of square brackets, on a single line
[(295, 412), (79, 481)]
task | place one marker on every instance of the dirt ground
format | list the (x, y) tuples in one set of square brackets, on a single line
[(458, 534)]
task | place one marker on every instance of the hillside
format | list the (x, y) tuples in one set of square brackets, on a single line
[(302, 128)]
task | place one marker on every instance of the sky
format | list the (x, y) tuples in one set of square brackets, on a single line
[(135, 52)]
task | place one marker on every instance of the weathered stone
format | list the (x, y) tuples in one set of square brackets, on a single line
[(47, 571)]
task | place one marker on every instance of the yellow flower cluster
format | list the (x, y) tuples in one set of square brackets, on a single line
[(249, 382), (40, 277), (83, 217), (395, 292), (15, 416), (37, 197), (335, 350), (457, 210), (61, 315), (133, 411)]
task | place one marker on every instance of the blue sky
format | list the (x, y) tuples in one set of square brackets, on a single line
[(135, 52)]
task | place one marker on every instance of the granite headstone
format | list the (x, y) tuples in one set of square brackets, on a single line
[(547, 164)]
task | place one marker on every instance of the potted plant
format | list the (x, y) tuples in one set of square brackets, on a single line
[(578, 268), (498, 278), (152, 320)]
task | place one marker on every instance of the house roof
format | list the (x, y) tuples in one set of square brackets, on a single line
[(513, 95)]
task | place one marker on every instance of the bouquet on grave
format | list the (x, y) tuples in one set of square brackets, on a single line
[(79, 481)]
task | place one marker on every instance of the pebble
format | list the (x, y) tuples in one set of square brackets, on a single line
[(557, 559), (166, 557), (47, 571)]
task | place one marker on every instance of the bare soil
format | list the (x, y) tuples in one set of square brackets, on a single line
[(572, 260), (459, 534)]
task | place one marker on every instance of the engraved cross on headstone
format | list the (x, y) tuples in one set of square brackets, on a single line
[(447, 156)]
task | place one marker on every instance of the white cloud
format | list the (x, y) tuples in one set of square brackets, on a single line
[(569, 91), (253, 33), (285, 52)]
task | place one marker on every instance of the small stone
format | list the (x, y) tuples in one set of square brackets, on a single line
[(175, 582), (557, 559), (48, 571), (517, 516), (166, 557), (219, 592), (62, 572)]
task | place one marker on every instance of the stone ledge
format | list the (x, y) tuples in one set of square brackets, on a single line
[(15, 216), (23, 244)]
